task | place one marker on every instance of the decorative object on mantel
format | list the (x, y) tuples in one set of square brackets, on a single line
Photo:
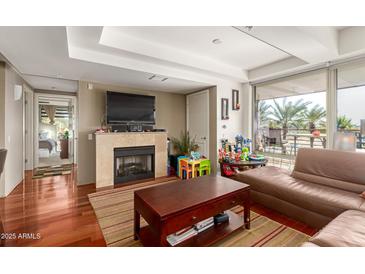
[(224, 109), (235, 99), (101, 130)]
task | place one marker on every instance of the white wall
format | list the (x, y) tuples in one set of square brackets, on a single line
[(13, 172), (246, 107), (235, 124)]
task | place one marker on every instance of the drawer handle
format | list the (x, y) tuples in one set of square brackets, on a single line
[(193, 218), (233, 202)]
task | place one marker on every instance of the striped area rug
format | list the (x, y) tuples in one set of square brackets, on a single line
[(114, 211), (47, 171)]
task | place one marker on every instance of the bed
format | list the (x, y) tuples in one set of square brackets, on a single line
[(49, 144)]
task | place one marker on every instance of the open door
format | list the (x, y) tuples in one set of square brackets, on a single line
[(55, 130)]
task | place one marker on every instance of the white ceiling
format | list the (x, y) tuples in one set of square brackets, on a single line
[(47, 83), (43, 51), (58, 57), (236, 49)]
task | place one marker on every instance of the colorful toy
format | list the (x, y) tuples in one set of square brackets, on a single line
[(256, 157), (239, 142), (245, 153), (238, 157), (194, 155), (228, 171), (240, 150)]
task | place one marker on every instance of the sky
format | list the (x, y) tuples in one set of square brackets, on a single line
[(350, 102)]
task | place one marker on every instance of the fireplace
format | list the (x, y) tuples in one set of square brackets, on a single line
[(134, 163)]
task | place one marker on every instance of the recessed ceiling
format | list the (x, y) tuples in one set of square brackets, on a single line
[(41, 54), (58, 57), (236, 48)]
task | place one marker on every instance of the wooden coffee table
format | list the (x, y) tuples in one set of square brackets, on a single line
[(171, 207)]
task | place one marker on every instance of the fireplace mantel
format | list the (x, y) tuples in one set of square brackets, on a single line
[(106, 142)]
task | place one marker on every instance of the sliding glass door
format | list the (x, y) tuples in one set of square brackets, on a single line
[(290, 113), (351, 103)]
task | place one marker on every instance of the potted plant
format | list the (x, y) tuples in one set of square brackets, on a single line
[(183, 146), (66, 135)]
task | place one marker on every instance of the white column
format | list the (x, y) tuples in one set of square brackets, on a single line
[(331, 106)]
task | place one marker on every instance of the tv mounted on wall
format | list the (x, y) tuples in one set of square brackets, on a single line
[(125, 108)]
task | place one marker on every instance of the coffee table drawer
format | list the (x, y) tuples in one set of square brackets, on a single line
[(180, 221)]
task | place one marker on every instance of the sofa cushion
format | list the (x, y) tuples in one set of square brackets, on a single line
[(322, 199), (340, 169), (348, 229), (348, 186)]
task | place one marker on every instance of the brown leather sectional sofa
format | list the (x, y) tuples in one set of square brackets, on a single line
[(324, 185)]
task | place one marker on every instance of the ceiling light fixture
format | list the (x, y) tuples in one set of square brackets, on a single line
[(217, 41)]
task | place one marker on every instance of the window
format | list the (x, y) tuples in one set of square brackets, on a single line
[(291, 113), (351, 101)]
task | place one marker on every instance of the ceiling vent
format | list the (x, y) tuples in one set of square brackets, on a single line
[(158, 78)]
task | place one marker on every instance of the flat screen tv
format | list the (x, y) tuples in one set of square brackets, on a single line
[(125, 108)]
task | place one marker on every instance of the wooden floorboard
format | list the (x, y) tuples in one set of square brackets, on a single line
[(59, 210), (56, 208)]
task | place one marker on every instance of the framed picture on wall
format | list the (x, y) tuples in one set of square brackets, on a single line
[(224, 109), (235, 99)]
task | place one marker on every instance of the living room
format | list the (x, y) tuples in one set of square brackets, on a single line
[(167, 135)]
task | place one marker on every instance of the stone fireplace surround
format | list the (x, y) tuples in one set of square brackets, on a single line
[(106, 142)]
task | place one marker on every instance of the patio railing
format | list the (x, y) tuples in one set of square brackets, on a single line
[(282, 152)]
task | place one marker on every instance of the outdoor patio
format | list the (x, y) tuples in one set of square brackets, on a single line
[(281, 153)]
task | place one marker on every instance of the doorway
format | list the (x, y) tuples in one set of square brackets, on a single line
[(55, 129), (197, 114)]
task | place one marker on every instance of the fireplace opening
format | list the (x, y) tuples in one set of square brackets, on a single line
[(134, 163)]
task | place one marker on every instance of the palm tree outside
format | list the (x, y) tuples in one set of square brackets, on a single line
[(263, 112), (287, 113), (315, 117), (344, 123)]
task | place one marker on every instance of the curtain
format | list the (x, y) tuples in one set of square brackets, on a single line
[(51, 112)]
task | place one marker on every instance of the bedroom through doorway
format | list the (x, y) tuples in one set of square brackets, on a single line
[(56, 127)]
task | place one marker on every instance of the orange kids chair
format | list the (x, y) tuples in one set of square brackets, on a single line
[(184, 166)]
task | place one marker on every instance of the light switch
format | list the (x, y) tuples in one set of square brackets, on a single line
[(90, 136), (9, 139)]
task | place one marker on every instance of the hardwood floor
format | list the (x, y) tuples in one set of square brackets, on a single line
[(275, 216), (60, 212), (54, 207)]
